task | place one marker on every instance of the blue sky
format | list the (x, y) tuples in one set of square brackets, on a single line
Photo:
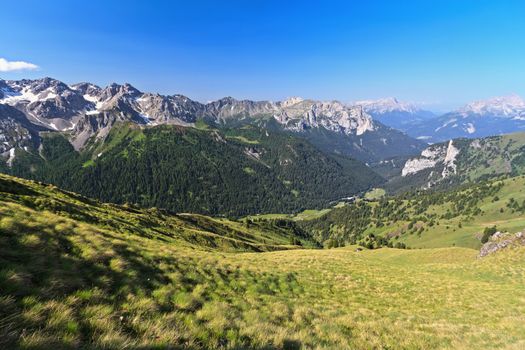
[(443, 53)]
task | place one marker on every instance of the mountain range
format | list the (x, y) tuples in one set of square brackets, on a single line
[(357, 129), (490, 117), (495, 116), (289, 155), (226, 157), (394, 113), (85, 111)]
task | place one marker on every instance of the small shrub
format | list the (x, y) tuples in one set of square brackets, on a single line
[(487, 233)]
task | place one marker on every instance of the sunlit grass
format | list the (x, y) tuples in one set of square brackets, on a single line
[(462, 230), (73, 283)]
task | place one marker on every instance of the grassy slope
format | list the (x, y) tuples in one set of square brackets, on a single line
[(118, 279), (375, 193), (187, 229), (494, 155), (478, 158), (449, 233), (462, 228)]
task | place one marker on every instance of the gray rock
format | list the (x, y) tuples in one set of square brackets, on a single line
[(500, 241)]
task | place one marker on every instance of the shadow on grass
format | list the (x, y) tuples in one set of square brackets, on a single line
[(55, 268)]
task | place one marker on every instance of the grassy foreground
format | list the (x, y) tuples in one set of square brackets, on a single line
[(87, 275)]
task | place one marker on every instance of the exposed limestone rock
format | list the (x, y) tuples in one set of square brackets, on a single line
[(500, 241)]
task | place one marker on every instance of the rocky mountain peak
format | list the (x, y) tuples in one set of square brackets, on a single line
[(505, 106), (86, 88), (291, 101), (225, 101), (119, 90), (387, 105)]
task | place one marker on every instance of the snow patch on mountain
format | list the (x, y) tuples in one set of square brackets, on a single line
[(13, 97), (145, 118), (447, 123), (424, 137), (91, 98)]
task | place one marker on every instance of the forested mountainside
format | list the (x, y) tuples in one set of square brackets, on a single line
[(426, 218), (236, 171), (20, 196), (459, 161)]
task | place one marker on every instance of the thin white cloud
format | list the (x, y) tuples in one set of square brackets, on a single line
[(10, 66)]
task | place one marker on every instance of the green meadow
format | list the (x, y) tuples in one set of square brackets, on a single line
[(79, 274), (426, 219)]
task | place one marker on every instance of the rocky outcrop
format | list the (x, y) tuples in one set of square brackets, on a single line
[(442, 156), (500, 241), (15, 130)]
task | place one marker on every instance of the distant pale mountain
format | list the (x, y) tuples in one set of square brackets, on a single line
[(494, 116), (394, 113), (88, 112)]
